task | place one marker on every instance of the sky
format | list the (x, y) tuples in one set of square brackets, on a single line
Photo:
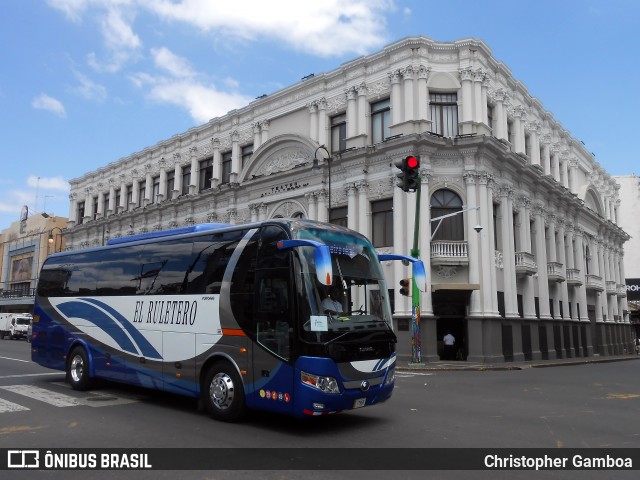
[(84, 83)]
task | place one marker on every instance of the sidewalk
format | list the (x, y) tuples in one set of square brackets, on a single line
[(470, 366)]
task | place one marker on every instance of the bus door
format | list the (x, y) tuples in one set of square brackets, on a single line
[(272, 325)]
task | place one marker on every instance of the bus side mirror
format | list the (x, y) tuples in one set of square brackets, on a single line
[(321, 257), (419, 273)]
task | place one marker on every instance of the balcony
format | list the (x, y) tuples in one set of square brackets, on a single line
[(612, 287), (449, 252), (525, 264), (573, 277), (621, 290), (554, 272), (594, 282)]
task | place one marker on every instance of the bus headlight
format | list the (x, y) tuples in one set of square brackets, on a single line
[(391, 376), (324, 384)]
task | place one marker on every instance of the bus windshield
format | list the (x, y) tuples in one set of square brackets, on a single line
[(354, 305)]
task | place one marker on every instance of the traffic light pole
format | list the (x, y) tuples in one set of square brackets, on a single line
[(416, 338)]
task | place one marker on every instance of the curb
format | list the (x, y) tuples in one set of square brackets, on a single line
[(507, 367)]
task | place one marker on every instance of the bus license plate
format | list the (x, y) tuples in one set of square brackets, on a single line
[(359, 403)]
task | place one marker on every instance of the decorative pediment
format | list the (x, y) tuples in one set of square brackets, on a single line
[(280, 154)]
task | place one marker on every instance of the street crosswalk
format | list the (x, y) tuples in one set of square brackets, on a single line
[(16, 398)]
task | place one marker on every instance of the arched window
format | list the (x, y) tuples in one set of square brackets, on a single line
[(445, 202)]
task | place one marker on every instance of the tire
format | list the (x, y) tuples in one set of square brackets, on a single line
[(223, 392), (78, 370)]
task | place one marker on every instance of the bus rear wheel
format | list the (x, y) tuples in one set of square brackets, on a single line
[(78, 369), (223, 392)]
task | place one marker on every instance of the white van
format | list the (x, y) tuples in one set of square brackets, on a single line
[(14, 325)]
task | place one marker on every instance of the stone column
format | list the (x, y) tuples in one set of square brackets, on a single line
[(552, 257), (466, 78), (322, 121), (364, 212), (313, 121), (475, 303), (409, 74), (100, 210), (508, 252), (562, 258), (396, 98), (555, 162), (478, 110), (235, 157), (535, 128), (148, 188), (541, 260), (264, 210), (519, 117), (216, 174), (546, 154), (194, 184), (573, 168), (487, 252), (424, 244), (363, 109), (423, 93), (580, 264), (264, 130), (528, 293), (135, 191), (352, 207), (352, 113), (565, 171), (123, 193), (111, 209), (313, 205), (163, 194), (322, 206), (501, 117), (257, 138), (73, 209)]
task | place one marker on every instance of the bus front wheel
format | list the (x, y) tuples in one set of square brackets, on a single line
[(78, 369), (223, 392)]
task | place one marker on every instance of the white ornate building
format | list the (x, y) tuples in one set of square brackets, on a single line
[(544, 278)]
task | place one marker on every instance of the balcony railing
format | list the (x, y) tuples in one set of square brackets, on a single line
[(612, 287), (621, 290), (594, 282), (573, 277), (449, 252), (525, 263), (554, 272)]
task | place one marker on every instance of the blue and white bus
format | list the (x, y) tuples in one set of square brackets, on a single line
[(229, 314)]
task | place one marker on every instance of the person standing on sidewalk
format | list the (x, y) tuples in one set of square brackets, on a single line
[(449, 346)]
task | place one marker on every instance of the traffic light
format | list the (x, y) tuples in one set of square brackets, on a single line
[(405, 287), (409, 176)]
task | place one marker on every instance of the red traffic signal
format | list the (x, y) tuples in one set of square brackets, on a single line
[(411, 163), (409, 178), (405, 287)]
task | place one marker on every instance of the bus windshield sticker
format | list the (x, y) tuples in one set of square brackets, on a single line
[(319, 323)]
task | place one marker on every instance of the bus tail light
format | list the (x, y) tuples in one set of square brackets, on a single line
[(324, 384)]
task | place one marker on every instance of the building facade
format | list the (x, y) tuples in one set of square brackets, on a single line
[(542, 278), (23, 248), (629, 201)]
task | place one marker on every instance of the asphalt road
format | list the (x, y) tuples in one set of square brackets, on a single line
[(586, 406)]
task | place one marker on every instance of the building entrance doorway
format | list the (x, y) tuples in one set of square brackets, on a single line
[(457, 327), (450, 307)]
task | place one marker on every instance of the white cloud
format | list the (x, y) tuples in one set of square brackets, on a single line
[(203, 102), (50, 104), (48, 183), (73, 9), (168, 61), (89, 89), (326, 28)]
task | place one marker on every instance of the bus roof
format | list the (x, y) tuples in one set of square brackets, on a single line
[(168, 233)]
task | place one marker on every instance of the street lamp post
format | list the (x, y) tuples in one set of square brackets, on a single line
[(316, 166), (52, 239)]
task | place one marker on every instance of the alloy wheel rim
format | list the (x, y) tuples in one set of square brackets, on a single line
[(77, 368), (221, 391)]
